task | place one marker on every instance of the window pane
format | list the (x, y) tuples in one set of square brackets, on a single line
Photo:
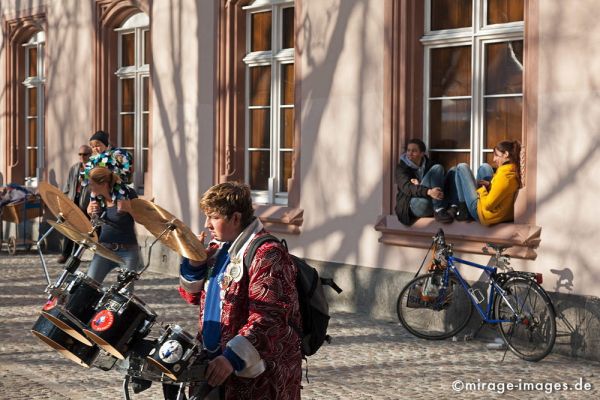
[(260, 121), (32, 100), (260, 86), (503, 120), (145, 130), (127, 95), (287, 84), (32, 162), (32, 61), (286, 170), (450, 159), (287, 128), (451, 71), (145, 160), (259, 170), (147, 47), (449, 124), (504, 67), (127, 49), (127, 139), (502, 11), (287, 35), (32, 133), (146, 94), (261, 31), (450, 14)]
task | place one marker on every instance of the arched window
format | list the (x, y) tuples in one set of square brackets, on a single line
[(133, 93)]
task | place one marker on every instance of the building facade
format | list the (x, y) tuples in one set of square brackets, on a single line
[(311, 103)]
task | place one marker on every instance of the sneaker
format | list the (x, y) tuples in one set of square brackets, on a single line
[(453, 210), (443, 216), (462, 212), (61, 260)]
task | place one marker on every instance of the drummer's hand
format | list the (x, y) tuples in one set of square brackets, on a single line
[(124, 205), (93, 208), (218, 370)]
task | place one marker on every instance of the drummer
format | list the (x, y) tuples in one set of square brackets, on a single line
[(117, 231), (246, 314)]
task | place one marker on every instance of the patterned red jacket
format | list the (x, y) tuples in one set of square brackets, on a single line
[(257, 316)]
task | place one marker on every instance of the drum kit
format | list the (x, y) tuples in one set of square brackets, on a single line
[(108, 327)]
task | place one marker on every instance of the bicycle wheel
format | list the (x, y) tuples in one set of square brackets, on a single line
[(531, 336), (437, 318)]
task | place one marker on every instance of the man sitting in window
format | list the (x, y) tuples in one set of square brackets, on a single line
[(420, 185)]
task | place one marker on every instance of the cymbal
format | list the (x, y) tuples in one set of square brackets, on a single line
[(180, 239), (63, 207), (90, 243)]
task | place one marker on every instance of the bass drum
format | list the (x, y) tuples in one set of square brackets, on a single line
[(74, 306), (66, 345), (119, 322), (174, 352)]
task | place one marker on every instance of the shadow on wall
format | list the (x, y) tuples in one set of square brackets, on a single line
[(577, 318)]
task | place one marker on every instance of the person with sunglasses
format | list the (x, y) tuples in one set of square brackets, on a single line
[(77, 192), (489, 199)]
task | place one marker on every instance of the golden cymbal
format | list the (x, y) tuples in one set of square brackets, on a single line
[(88, 242), (63, 207), (180, 239)]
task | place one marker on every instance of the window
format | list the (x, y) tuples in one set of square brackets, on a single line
[(133, 92), (34, 107), (473, 78), (269, 111)]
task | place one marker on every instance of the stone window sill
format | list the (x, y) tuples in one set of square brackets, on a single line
[(279, 218), (464, 236)]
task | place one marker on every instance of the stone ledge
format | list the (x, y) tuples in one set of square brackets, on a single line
[(464, 236), (280, 218)]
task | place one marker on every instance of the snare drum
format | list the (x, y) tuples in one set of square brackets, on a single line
[(174, 352), (119, 321), (70, 348), (75, 305)]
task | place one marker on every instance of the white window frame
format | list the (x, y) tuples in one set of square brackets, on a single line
[(137, 24), (477, 37), (38, 81), (275, 58)]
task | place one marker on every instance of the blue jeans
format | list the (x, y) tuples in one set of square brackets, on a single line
[(424, 206), (465, 185), (100, 266)]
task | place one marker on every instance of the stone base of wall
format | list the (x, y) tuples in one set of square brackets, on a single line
[(375, 291)]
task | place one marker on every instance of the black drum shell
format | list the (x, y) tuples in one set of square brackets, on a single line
[(176, 367), (131, 318), (77, 306), (66, 345)]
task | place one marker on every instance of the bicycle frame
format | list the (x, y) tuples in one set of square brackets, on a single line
[(493, 287)]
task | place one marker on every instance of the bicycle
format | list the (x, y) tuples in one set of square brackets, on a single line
[(439, 304)]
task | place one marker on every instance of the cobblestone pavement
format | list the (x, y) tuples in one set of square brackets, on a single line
[(367, 359)]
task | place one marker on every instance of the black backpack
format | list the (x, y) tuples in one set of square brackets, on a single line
[(313, 304)]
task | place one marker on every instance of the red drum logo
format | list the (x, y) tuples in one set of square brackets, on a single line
[(102, 320), (50, 304)]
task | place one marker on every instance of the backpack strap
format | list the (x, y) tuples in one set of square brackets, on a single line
[(256, 243)]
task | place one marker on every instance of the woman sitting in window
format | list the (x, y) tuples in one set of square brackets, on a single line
[(490, 199)]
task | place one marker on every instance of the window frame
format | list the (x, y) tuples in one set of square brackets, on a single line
[(403, 119), (137, 24), (37, 41), (230, 115), (275, 59), (476, 37)]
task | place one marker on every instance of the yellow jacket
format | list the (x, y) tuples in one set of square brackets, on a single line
[(497, 204)]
